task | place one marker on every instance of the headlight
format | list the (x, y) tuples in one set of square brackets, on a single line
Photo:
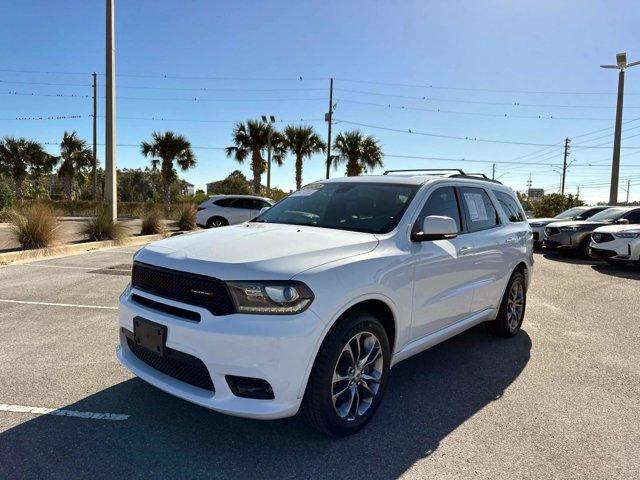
[(575, 228), (628, 234), (271, 297)]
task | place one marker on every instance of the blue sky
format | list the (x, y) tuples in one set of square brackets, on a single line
[(244, 59)]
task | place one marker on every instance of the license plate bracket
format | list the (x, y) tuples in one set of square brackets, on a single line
[(150, 335)]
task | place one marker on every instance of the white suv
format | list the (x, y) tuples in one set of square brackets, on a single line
[(223, 210), (313, 302), (616, 244)]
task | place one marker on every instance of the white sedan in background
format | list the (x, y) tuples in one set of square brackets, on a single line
[(223, 210), (616, 244)]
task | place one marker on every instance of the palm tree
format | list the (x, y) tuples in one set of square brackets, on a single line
[(165, 149), (20, 157), (252, 138), (361, 153), (303, 142), (76, 158)]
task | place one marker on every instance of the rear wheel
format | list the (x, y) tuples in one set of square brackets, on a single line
[(512, 308), (215, 222), (349, 376)]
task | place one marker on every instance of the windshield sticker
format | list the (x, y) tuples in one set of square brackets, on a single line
[(475, 205)]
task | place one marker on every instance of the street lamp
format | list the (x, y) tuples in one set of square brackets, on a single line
[(622, 65), (270, 120)]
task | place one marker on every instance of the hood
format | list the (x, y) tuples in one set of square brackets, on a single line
[(585, 224), (617, 228), (256, 251), (542, 221)]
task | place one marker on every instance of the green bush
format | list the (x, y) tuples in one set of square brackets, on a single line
[(102, 227), (6, 197), (35, 227), (552, 204), (187, 218), (152, 223)]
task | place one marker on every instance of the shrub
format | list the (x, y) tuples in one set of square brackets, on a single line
[(102, 227), (35, 227), (187, 218), (6, 197), (152, 223), (554, 203)]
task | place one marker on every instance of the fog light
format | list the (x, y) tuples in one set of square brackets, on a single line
[(247, 387)]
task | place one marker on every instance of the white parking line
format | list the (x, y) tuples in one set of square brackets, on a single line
[(72, 267), (57, 304), (62, 412)]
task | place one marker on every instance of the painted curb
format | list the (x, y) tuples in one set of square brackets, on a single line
[(78, 248)]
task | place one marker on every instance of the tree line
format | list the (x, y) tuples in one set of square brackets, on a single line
[(24, 163)]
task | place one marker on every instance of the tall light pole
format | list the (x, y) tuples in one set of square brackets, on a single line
[(270, 120), (622, 65), (110, 189)]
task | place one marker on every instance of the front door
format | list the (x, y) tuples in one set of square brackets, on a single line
[(443, 292)]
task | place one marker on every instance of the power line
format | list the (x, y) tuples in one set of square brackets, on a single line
[(476, 102), (467, 89), (465, 138), (480, 114)]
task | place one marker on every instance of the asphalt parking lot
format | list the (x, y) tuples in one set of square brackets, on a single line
[(560, 400)]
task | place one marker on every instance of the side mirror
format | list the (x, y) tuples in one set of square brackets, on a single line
[(580, 217), (262, 210), (436, 228), (623, 221)]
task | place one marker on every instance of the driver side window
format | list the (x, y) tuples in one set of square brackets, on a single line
[(442, 202)]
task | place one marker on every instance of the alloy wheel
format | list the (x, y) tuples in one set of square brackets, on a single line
[(515, 305), (357, 376)]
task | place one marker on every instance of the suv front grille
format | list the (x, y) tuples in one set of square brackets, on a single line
[(198, 290), (179, 365)]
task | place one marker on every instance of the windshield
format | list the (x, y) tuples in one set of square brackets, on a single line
[(608, 215), (571, 213), (359, 207)]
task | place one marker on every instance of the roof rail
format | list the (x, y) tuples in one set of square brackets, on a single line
[(457, 170), (480, 176)]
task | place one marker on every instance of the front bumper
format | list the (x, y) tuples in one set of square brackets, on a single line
[(566, 241), (275, 348), (617, 249)]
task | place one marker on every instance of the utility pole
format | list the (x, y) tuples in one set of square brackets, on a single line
[(628, 188), (94, 173), (110, 188), (493, 172), (564, 164), (622, 65), (328, 118)]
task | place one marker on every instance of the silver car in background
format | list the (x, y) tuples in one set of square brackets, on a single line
[(223, 210), (538, 225)]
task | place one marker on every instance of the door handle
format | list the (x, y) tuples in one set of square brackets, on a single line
[(464, 250)]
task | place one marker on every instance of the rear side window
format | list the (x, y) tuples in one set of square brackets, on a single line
[(510, 206), (225, 202), (480, 214), (443, 203)]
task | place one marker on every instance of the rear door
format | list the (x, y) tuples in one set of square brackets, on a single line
[(443, 288), (233, 210), (491, 238)]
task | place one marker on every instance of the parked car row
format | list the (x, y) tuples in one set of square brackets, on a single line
[(608, 233)]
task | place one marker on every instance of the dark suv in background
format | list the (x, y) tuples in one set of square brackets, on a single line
[(575, 236)]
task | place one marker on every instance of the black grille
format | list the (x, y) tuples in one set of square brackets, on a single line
[(601, 253), (552, 231), (179, 365), (199, 290), (602, 237)]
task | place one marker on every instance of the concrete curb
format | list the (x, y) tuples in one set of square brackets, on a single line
[(78, 248)]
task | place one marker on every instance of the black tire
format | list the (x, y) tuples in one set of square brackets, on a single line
[(215, 222), (502, 326), (318, 406), (584, 248)]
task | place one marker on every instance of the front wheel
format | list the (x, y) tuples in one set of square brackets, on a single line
[(349, 376), (512, 308), (216, 222)]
